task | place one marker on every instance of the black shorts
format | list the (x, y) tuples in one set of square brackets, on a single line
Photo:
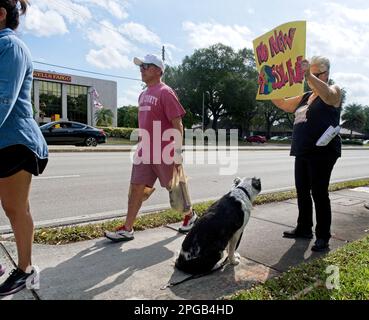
[(18, 157)]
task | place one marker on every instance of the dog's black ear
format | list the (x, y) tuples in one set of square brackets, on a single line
[(237, 181), (256, 184)]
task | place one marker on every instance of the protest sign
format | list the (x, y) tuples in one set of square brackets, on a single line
[(278, 56)]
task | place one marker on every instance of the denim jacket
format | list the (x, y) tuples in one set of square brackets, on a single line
[(17, 125)]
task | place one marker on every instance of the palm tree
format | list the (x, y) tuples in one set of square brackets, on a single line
[(104, 117), (353, 117)]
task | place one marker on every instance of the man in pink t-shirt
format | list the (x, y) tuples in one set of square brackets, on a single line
[(160, 145)]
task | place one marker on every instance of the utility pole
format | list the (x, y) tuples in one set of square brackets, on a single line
[(163, 58), (203, 110)]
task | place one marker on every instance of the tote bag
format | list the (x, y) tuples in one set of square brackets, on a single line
[(178, 192)]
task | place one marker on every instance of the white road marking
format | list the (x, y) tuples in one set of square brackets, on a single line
[(57, 177)]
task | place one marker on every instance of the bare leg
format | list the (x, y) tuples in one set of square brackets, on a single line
[(14, 195), (134, 204)]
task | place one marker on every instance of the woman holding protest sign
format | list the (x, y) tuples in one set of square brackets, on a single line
[(315, 111)]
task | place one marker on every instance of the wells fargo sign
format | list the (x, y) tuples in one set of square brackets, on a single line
[(52, 76)]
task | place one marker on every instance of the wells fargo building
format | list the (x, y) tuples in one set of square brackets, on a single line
[(71, 97)]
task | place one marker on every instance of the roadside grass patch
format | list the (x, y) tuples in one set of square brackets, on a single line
[(119, 141), (74, 233), (311, 281)]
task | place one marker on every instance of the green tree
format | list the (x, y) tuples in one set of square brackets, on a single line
[(175, 78), (366, 123), (353, 117), (215, 76), (239, 99), (128, 117), (104, 117), (268, 115)]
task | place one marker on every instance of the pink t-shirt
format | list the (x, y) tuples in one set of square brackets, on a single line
[(158, 106)]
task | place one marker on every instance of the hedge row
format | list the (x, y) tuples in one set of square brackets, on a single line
[(353, 141), (124, 133)]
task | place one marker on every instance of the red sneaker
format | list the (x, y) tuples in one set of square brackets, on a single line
[(188, 222)]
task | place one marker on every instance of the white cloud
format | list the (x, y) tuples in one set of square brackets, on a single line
[(113, 48), (44, 24), (345, 36), (108, 58), (308, 13), (107, 36), (73, 12), (205, 34), (344, 39), (114, 7), (356, 86), (337, 40), (46, 18), (130, 95), (139, 33), (344, 13), (109, 45)]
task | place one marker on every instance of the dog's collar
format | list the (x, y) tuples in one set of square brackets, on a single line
[(246, 192)]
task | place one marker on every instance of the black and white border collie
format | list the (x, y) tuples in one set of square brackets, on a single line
[(219, 228)]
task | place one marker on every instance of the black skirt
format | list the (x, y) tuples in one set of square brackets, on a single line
[(18, 157)]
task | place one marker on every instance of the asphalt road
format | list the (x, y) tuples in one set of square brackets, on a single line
[(83, 186)]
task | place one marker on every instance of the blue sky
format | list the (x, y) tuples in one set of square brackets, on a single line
[(104, 35)]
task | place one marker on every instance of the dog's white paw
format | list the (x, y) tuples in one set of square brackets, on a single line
[(235, 260)]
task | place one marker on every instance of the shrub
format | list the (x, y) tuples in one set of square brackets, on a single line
[(353, 141), (124, 133)]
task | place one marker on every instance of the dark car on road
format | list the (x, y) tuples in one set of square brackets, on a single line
[(257, 139), (70, 132)]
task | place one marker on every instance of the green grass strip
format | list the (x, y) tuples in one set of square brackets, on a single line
[(341, 275), (74, 233)]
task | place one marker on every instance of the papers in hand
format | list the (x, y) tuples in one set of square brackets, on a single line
[(328, 135)]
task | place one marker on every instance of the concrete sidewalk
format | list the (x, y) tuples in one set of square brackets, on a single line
[(100, 269)]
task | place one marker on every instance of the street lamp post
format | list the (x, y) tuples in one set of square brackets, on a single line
[(203, 110)]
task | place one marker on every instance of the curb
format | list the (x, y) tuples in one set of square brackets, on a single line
[(121, 213), (129, 149)]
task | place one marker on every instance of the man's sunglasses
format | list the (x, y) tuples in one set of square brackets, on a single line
[(146, 66), (319, 74)]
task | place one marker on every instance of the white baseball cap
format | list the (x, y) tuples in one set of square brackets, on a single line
[(152, 59)]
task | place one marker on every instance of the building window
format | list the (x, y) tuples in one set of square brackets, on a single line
[(50, 99), (77, 103)]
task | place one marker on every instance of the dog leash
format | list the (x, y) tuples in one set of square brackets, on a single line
[(195, 276)]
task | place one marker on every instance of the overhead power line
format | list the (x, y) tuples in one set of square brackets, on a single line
[(78, 13), (91, 72), (93, 19)]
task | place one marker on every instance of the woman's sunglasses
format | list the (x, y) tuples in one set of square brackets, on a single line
[(319, 74)]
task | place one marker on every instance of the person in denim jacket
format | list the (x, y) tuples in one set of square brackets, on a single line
[(23, 150)]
